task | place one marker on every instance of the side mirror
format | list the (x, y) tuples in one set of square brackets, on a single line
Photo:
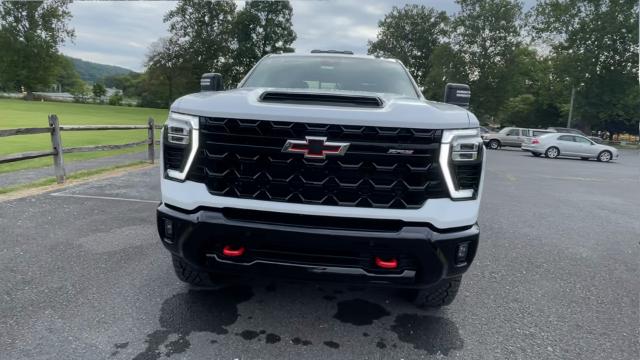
[(211, 82), (457, 94)]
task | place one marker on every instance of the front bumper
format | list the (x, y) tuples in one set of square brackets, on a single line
[(316, 247)]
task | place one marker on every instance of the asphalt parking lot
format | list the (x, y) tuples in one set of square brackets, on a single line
[(84, 276)]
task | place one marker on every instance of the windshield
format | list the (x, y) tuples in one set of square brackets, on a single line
[(332, 73)]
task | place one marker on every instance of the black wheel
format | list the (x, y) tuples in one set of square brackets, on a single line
[(535, 154), (604, 156), (552, 152), (494, 144), (189, 274), (442, 294)]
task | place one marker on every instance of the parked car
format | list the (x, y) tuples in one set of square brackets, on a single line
[(574, 131), (510, 136), (565, 130), (560, 144)]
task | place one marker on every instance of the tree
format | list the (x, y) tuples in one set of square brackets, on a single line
[(30, 33), (595, 47), (260, 28), (412, 34), (152, 91), (519, 111), (212, 36), (204, 30), (447, 66), (165, 59), (81, 93), (129, 83), (67, 77), (486, 34), (98, 91), (116, 99), (532, 86)]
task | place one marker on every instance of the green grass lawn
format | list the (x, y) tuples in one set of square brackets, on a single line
[(21, 114)]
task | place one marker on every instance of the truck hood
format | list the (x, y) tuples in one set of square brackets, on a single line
[(396, 111)]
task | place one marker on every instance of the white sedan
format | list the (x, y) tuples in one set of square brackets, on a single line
[(570, 145)]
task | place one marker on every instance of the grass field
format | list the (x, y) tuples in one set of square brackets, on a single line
[(20, 114)]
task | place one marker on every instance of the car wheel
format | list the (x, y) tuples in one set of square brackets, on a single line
[(494, 144), (189, 274), (535, 154), (440, 295), (552, 152), (604, 156)]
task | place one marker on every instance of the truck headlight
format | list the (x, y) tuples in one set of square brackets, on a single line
[(180, 144), (461, 161)]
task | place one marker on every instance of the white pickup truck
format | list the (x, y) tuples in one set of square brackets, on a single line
[(324, 166)]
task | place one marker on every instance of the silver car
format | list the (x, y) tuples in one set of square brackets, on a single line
[(510, 136), (570, 145)]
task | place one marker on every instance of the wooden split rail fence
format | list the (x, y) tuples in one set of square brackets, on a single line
[(57, 150)]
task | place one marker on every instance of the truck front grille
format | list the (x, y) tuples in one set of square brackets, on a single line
[(244, 159)]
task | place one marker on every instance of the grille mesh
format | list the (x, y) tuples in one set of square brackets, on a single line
[(244, 159)]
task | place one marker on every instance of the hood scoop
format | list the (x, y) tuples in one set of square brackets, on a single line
[(321, 99)]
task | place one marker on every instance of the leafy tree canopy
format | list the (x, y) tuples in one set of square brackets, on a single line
[(595, 48), (30, 33), (486, 33), (99, 90), (203, 30), (412, 34), (260, 28)]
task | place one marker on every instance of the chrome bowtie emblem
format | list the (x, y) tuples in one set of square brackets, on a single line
[(315, 147)]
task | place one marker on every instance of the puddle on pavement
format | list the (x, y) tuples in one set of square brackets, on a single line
[(214, 311)]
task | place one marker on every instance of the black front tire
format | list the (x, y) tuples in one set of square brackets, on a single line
[(189, 274), (494, 144), (440, 295)]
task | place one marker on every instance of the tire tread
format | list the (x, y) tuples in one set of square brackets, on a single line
[(187, 273), (442, 295)]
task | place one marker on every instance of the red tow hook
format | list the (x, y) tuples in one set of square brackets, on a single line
[(387, 264), (229, 251)]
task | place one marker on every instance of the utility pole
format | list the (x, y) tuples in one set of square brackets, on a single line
[(573, 93)]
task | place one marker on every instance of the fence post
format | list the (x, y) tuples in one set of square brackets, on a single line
[(56, 144), (151, 152)]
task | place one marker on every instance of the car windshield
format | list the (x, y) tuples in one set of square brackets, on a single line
[(332, 73)]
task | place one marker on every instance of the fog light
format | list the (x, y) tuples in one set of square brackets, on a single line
[(462, 252), (168, 229)]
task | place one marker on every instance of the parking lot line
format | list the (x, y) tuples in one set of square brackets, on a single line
[(104, 197)]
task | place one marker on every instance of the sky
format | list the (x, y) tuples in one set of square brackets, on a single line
[(120, 33)]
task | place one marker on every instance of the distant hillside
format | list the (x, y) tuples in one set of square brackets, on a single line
[(90, 71)]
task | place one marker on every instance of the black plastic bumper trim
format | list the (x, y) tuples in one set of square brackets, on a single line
[(319, 253)]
